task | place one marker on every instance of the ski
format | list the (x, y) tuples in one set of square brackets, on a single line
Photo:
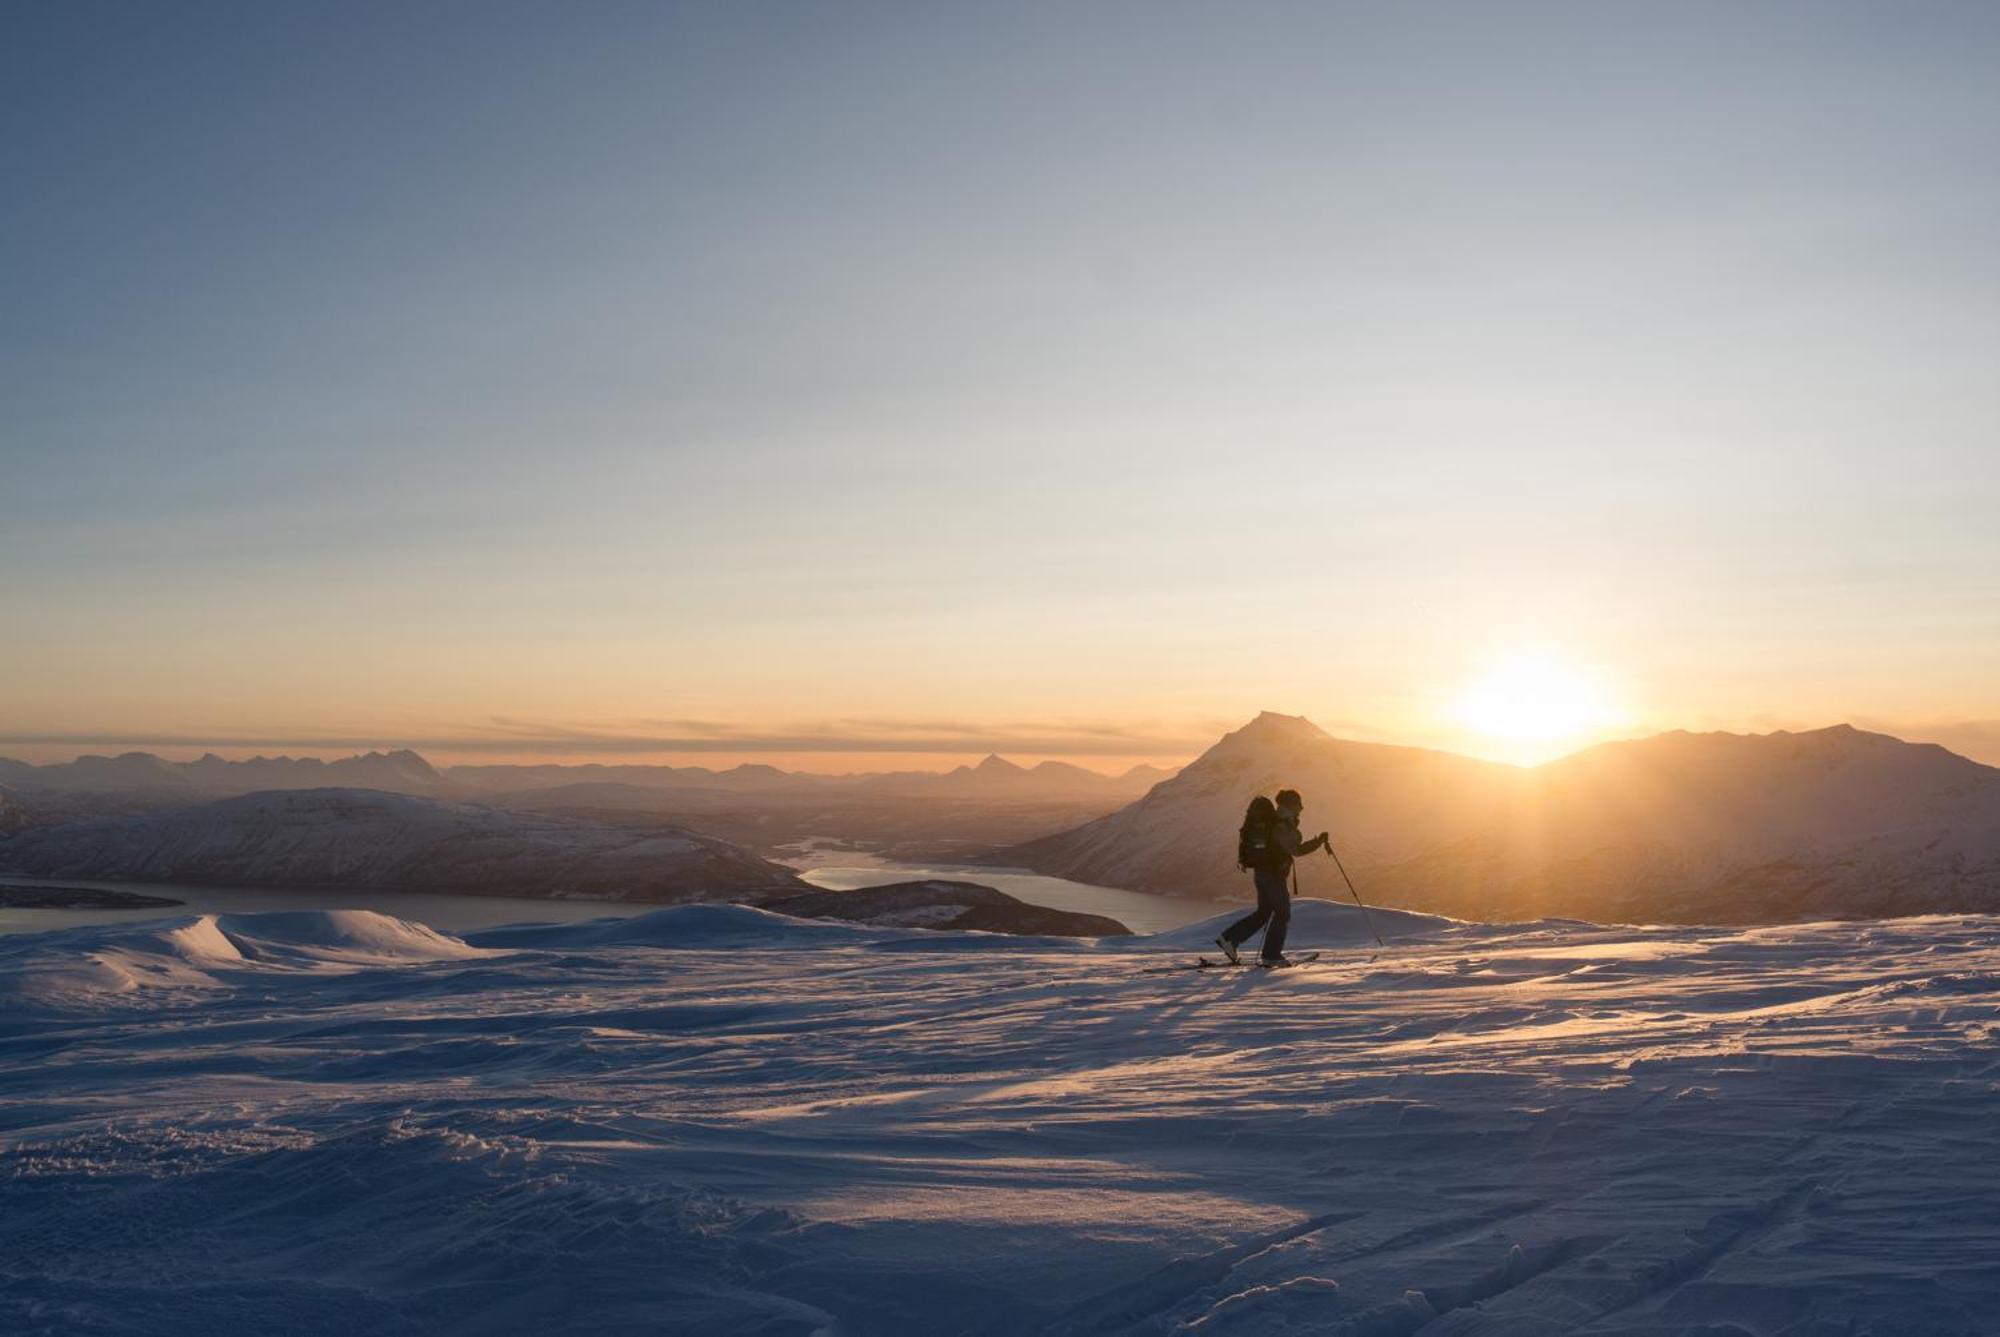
[(1301, 959), (1204, 963)]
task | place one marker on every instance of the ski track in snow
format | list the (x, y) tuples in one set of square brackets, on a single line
[(715, 1120)]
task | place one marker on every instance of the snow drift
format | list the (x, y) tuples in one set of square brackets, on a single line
[(100, 964), (683, 928)]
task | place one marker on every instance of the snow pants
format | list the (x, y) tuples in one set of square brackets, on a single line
[(1274, 906)]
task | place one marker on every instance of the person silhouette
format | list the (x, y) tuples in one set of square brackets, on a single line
[(1267, 845)]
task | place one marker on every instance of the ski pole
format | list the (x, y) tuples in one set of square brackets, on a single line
[(1356, 895)]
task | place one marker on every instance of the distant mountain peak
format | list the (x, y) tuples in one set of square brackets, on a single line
[(402, 758), (1270, 721), (1147, 771), (995, 764), (1272, 728)]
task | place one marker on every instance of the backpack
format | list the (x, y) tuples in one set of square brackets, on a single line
[(1253, 838)]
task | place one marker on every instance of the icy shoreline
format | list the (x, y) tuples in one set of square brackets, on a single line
[(710, 1119)]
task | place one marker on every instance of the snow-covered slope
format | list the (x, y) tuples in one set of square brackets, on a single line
[(124, 965), (1680, 827), (365, 838), (712, 1119)]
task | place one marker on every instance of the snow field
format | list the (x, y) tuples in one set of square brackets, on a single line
[(716, 1120)]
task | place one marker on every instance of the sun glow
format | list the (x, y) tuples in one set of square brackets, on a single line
[(1531, 706)]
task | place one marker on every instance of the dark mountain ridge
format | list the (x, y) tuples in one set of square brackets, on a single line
[(365, 838)]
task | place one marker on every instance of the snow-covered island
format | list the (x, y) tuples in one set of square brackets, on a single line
[(713, 1119), (17, 896), (945, 904)]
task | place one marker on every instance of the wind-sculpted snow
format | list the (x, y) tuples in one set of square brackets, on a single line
[(102, 964), (687, 927), (711, 1119)]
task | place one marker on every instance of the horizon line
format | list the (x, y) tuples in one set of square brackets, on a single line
[(1134, 750)]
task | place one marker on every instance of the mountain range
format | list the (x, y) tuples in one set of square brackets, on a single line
[(1680, 827), (997, 778), (406, 772), (398, 772)]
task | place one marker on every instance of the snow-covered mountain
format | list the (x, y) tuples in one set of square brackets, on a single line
[(1681, 827), (1725, 827), (1180, 837), (397, 842)]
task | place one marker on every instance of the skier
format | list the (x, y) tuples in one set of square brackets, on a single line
[(1266, 845)]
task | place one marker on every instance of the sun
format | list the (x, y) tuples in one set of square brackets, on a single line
[(1532, 705)]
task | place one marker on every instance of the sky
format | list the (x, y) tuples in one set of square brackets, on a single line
[(860, 385)]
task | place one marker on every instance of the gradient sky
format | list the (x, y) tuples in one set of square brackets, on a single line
[(806, 380)]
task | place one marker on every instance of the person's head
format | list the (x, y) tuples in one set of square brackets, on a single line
[(1288, 800)]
